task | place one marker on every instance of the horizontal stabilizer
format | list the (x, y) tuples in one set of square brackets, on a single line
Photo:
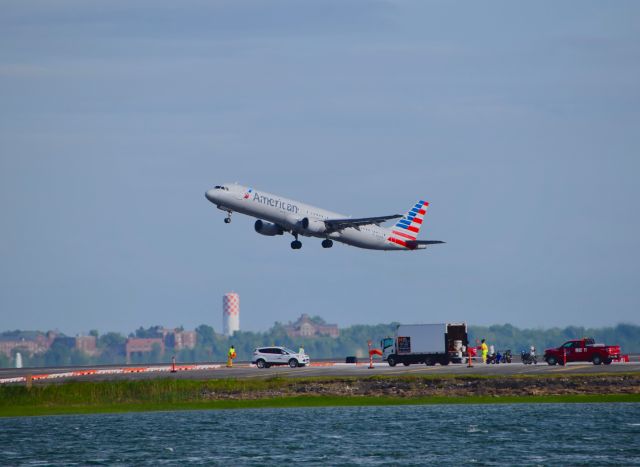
[(415, 243)]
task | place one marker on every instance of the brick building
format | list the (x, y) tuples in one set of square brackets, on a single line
[(306, 326), (142, 345), (86, 344), (178, 339), (27, 342), (29, 347)]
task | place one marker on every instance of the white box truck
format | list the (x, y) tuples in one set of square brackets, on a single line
[(426, 343)]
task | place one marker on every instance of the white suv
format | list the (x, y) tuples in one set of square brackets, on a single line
[(264, 357)]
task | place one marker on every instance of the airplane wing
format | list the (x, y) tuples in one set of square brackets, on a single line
[(339, 224), (415, 243)]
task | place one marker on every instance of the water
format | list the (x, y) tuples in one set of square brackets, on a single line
[(520, 434)]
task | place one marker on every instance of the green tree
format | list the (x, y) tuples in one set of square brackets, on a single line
[(205, 335), (149, 333), (5, 362), (155, 356), (112, 348), (59, 354)]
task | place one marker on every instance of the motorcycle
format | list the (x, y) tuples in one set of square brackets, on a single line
[(496, 358), (529, 357)]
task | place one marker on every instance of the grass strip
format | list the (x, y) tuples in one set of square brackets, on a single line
[(306, 401), (230, 393)]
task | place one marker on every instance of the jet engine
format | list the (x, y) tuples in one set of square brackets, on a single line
[(314, 226), (267, 228)]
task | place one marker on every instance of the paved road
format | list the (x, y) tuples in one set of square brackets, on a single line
[(245, 371)]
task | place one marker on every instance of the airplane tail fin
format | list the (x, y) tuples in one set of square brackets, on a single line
[(407, 228)]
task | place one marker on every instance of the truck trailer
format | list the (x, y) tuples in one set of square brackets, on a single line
[(442, 343)]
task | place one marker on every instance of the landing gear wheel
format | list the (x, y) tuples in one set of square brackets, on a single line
[(227, 220), (327, 243), (296, 244)]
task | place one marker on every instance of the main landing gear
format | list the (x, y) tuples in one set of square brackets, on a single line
[(296, 244), (227, 220), (327, 243)]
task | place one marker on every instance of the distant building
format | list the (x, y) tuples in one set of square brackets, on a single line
[(185, 340), (178, 339), (86, 344), (65, 341), (26, 346), (27, 342), (306, 326), (230, 313), (138, 345)]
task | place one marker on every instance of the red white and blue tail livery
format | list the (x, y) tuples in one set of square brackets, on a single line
[(277, 215), (405, 232)]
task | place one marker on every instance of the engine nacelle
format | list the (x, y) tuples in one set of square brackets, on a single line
[(267, 228), (314, 226)]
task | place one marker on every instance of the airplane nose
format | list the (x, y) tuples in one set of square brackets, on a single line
[(210, 195)]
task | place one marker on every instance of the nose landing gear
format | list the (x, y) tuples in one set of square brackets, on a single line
[(227, 220), (327, 243)]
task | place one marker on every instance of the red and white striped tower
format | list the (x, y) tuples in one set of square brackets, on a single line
[(230, 313)]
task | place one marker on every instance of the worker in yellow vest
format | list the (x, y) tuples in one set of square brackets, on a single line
[(230, 357), (485, 350)]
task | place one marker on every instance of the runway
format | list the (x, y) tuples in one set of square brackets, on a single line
[(204, 371)]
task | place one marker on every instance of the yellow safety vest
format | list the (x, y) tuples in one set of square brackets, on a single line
[(232, 353), (485, 349)]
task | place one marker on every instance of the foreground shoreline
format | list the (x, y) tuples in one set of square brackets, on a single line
[(169, 394)]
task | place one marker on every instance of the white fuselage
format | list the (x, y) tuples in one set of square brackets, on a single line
[(288, 214)]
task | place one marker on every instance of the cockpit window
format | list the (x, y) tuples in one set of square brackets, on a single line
[(220, 187)]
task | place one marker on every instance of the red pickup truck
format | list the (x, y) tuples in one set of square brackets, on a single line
[(582, 350)]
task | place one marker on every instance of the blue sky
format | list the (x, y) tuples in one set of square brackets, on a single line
[(518, 122)]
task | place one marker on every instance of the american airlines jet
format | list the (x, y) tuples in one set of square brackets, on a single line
[(277, 215)]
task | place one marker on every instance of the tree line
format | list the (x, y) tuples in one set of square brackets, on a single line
[(351, 342)]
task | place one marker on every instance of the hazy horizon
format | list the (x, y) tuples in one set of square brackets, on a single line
[(218, 329), (517, 122)]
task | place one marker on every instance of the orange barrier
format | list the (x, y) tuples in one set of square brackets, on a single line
[(105, 371)]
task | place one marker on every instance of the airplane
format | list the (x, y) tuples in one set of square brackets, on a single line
[(277, 215)]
